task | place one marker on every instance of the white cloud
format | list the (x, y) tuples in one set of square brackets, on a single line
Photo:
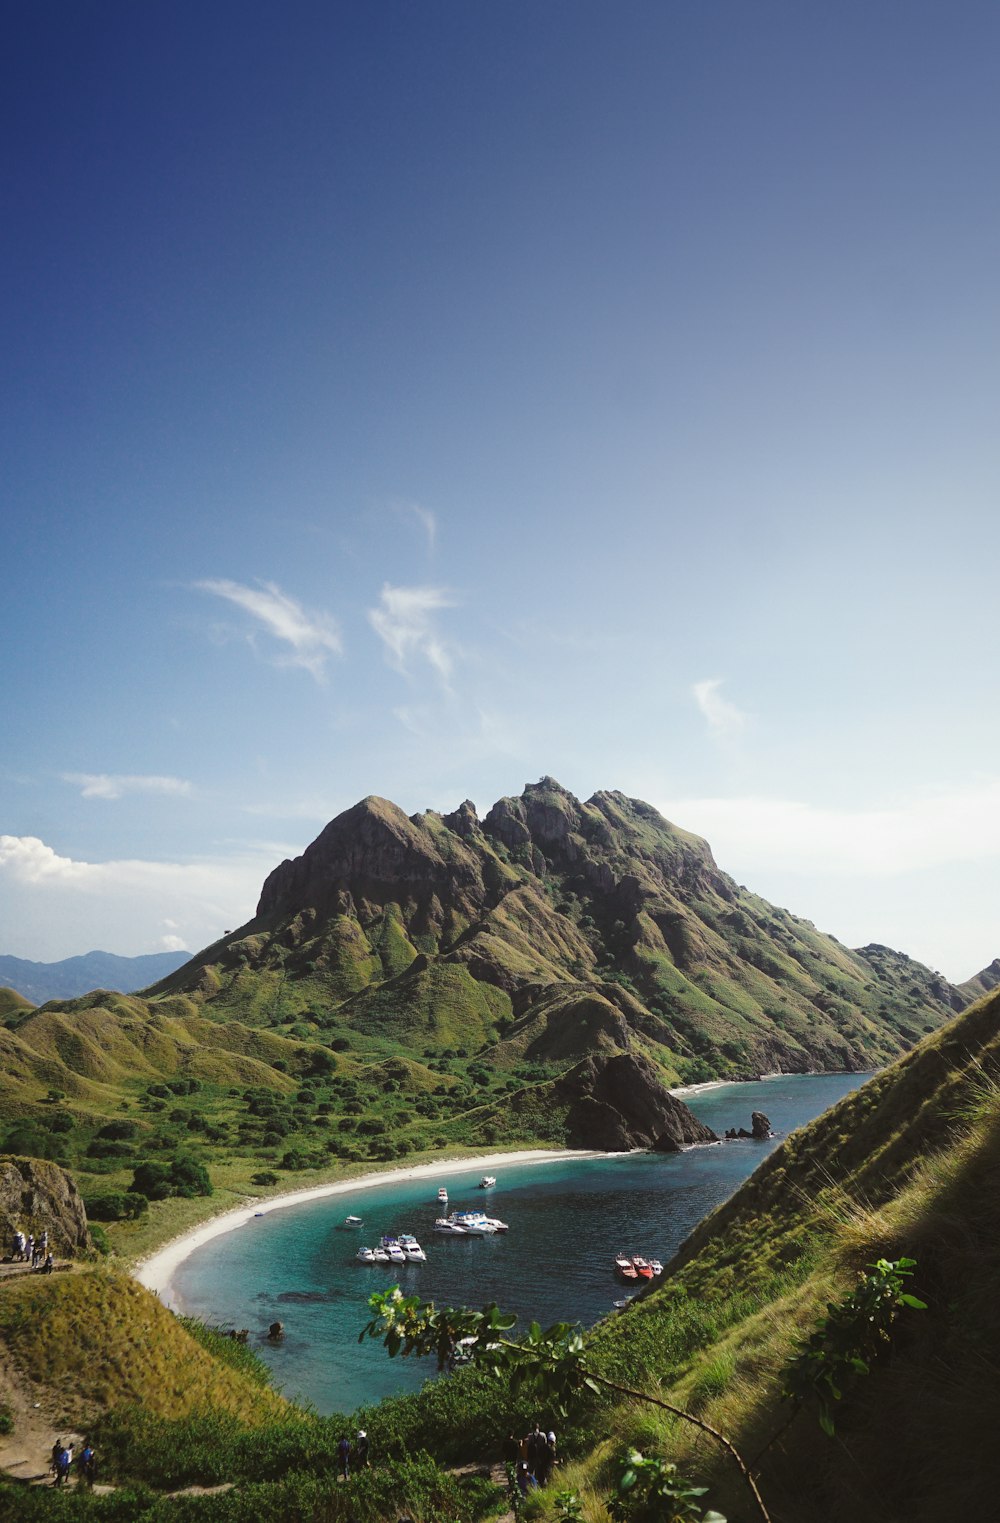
[(172, 944), (427, 521), (724, 718), (105, 785), (919, 831), (61, 906), (313, 638), (404, 623)]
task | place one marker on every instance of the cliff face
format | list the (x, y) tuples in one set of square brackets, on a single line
[(37, 1197), (446, 930)]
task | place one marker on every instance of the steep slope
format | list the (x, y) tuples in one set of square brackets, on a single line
[(441, 931), (984, 982), (909, 1165)]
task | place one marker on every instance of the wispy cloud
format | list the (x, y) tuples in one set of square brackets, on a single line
[(311, 638), (427, 521), (723, 717), (105, 785), (920, 831), (404, 621)]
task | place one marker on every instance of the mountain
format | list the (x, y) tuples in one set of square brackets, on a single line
[(983, 982), (42, 981), (547, 930)]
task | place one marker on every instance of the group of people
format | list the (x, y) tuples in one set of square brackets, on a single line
[(530, 1459), (63, 1461), (28, 1249), (355, 1454)]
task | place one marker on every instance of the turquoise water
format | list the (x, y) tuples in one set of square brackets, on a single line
[(567, 1222)]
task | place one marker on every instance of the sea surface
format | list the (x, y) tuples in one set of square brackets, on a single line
[(567, 1221)]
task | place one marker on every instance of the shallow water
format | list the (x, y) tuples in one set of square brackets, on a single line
[(567, 1221)]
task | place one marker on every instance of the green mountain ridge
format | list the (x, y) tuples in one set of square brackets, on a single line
[(438, 930)]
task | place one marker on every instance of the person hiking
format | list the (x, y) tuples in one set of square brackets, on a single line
[(63, 1462), (361, 1449), (344, 1457), (86, 1465), (510, 1453)]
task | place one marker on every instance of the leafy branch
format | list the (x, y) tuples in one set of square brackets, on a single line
[(554, 1358)]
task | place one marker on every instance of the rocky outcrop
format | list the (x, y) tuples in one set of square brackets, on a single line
[(760, 1129), (37, 1196), (617, 1102)]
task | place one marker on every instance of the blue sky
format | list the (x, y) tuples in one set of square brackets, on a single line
[(415, 400)]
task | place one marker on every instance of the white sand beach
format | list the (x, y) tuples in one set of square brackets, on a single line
[(156, 1271)]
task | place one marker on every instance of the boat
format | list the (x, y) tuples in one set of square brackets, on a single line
[(642, 1267), (412, 1249), (351, 1221), (619, 1305), (487, 1182), (447, 1226), (478, 1221), (381, 1256), (625, 1269), (396, 1254), (443, 1195), (365, 1256), (471, 1222), (656, 1267)]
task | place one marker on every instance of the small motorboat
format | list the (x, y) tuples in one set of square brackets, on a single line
[(472, 1223), (443, 1195), (448, 1227), (619, 1305), (642, 1267), (351, 1221), (625, 1269), (365, 1256), (381, 1256), (412, 1249), (396, 1254), (487, 1182), (656, 1267)]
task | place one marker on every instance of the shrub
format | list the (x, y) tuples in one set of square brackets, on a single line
[(116, 1206)]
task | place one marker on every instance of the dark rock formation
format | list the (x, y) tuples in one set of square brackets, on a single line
[(37, 1197), (617, 1102), (760, 1129)]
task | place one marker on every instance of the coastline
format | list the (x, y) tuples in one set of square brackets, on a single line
[(157, 1269)]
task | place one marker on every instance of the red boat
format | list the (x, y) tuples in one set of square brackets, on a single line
[(643, 1269)]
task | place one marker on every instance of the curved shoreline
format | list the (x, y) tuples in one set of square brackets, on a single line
[(156, 1270)]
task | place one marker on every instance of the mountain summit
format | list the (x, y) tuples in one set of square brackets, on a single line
[(549, 930)]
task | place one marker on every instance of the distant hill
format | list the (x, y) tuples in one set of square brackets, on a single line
[(41, 981), (546, 931), (983, 982)]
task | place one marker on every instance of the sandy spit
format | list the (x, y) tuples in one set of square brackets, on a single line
[(156, 1271)]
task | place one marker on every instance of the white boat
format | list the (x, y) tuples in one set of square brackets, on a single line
[(381, 1256), (480, 1220), (656, 1266), (487, 1182), (351, 1221), (446, 1225), (365, 1256), (396, 1254), (472, 1223), (412, 1249), (443, 1195)]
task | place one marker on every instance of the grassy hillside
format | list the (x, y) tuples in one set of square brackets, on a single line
[(89, 1342)]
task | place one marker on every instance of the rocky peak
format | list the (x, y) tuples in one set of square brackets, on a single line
[(464, 820), (373, 852)]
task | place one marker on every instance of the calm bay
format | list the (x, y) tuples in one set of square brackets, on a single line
[(567, 1221)]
